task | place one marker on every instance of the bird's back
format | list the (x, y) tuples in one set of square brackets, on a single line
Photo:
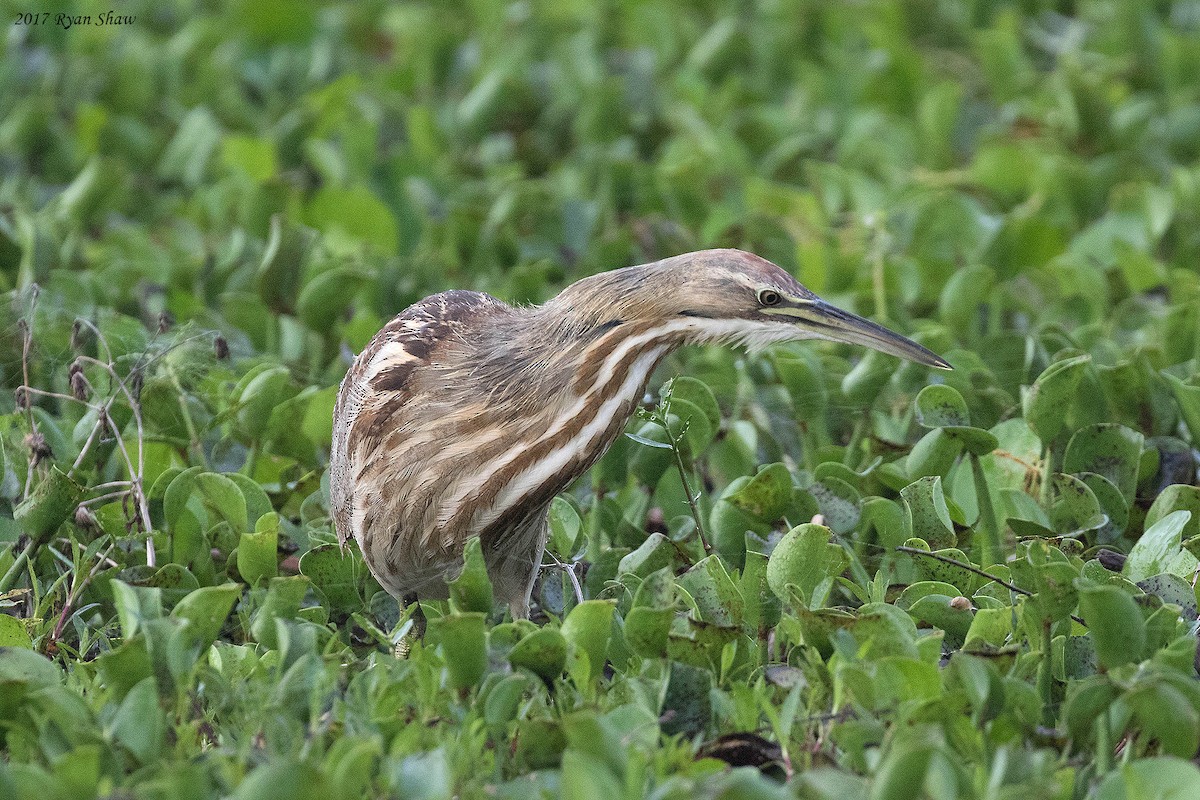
[(392, 418)]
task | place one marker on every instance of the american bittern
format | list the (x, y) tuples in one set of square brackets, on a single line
[(465, 416)]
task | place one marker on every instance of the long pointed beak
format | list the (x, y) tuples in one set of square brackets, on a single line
[(831, 322)]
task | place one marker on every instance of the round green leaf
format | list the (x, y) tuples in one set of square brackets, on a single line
[(1047, 403), (934, 454), (472, 589), (929, 517), (765, 496), (939, 406), (587, 628), (1075, 509), (1114, 623), (543, 652), (463, 640), (1177, 497)]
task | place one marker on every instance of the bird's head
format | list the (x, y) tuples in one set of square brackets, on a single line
[(730, 296)]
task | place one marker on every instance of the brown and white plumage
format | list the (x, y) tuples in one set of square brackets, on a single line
[(465, 416)]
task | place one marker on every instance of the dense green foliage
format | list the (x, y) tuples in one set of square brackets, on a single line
[(202, 211)]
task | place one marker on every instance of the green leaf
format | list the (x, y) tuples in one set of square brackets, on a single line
[(587, 629), (259, 397), (1114, 623), (257, 501), (647, 630), (1177, 497), (804, 558), (503, 699), (48, 506), (715, 594), (222, 495), (13, 633), (840, 503), (186, 156), (282, 602), (939, 406), (1161, 778), (687, 707), (336, 573), (933, 455), (652, 555), (642, 440), (463, 639), (543, 652), (565, 526), (766, 495), (929, 517), (1153, 552), (20, 664), (135, 606), (585, 777), (1169, 716), (206, 610), (699, 395), (139, 724), (472, 589), (325, 297), (283, 779), (254, 156), (1075, 509), (258, 552), (1051, 398), (937, 610), (1188, 398), (1112, 451), (903, 768), (962, 295), (357, 214)]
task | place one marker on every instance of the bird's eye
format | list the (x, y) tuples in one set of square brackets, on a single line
[(769, 297)]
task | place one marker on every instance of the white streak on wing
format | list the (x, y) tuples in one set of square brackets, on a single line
[(358, 513), (390, 355), (543, 471)]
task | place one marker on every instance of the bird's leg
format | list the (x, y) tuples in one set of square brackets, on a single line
[(416, 632), (519, 607), (514, 560), (418, 616)]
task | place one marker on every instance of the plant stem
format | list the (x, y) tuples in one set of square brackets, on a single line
[(993, 548), (687, 490), (194, 444), (860, 428), (1104, 748), (662, 416), (18, 564), (1045, 679)]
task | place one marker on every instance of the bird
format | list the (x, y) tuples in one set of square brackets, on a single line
[(465, 416)]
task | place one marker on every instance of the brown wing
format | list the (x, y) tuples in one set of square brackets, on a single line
[(380, 382)]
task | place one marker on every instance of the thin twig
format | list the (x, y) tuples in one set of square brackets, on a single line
[(136, 489), (679, 465), (26, 345), (972, 568), (106, 496), (77, 587), (59, 396), (111, 485), (570, 570)]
